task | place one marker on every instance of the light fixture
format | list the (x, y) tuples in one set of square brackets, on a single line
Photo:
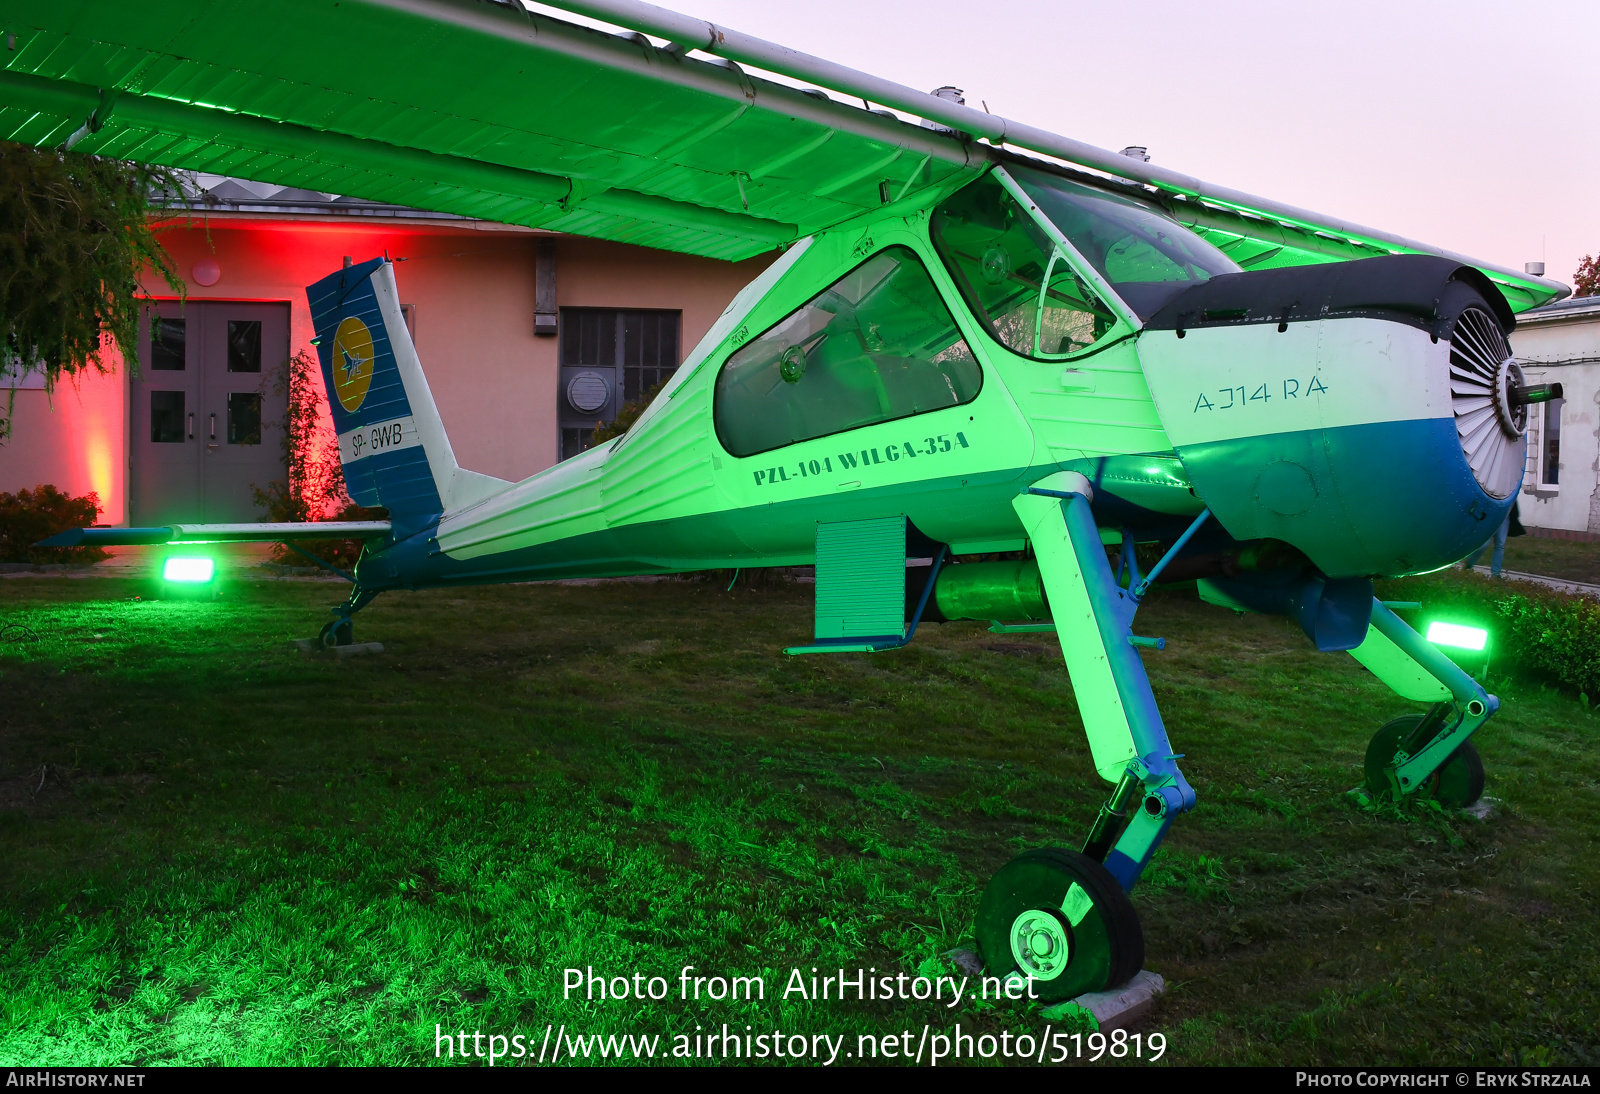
[(1455, 634), (192, 570)]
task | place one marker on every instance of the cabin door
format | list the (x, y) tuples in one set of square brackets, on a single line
[(208, 411)]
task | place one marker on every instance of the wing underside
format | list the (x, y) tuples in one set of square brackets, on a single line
[(483, 109), (466, 108)]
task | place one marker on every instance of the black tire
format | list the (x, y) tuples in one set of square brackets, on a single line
[(1105, 947), (340, 632), (1457, 783), (1381, 750)]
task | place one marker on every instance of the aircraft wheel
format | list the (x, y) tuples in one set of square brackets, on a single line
[(340, 632), (1060, 917), (1457, 783)]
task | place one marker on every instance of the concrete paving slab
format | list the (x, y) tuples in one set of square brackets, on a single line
[(355, 649), (1114, 1008)]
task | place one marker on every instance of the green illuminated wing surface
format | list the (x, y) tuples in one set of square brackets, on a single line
[(461, 107), (480, 108)]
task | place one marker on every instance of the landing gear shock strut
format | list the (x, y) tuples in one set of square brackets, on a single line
[(1430, 754), (1063, 918)]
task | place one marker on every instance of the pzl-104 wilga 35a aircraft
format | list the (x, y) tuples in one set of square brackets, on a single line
[(963, 348)]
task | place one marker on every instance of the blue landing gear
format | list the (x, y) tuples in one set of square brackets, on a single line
[(341, 631), (1062, 917)]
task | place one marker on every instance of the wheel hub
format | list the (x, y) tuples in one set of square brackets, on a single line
[(1041, 943)]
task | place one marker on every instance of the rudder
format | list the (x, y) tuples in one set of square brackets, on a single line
[(392, 442)]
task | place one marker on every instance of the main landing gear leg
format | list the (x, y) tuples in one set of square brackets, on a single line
[(342, 631), (1063, 917), (1428, 755)]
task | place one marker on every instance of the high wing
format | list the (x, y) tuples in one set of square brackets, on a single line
[(461, 107), (487, 110)]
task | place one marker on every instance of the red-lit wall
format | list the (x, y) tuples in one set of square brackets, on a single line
[(473, 289), (74, 438)]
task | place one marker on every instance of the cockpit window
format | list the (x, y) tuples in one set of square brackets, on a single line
[(1145, 255), (1015, 280), (877, 345)]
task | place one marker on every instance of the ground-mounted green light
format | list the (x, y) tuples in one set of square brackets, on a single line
[(1458, 635), (188, 570)]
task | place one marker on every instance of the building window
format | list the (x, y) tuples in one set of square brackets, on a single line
[(1550, 450), (575, 439), (244, 418), (879, 344), (610, 357), (166, 344), (244, 345), (166, 417)]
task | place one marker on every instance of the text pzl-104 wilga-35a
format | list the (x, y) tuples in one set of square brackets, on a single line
[(962, 349)]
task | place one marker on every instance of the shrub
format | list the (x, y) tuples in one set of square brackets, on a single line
[(28, 516), (627, 414), (1560, 637), (1538, 632), (313, 478)]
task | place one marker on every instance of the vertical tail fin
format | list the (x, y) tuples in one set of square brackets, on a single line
[(392, 441)]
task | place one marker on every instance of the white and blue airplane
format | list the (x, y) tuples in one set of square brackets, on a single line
[(979, 337)]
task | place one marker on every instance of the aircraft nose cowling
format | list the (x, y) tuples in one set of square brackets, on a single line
[(1369, 413)]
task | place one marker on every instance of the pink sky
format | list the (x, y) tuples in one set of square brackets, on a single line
[(1472, 125)]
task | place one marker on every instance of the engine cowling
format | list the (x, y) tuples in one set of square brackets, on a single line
[(1369, 413)]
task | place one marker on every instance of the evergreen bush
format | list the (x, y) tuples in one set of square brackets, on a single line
[(313, 486), (28, 516), (1536, 632), (1557, 635)]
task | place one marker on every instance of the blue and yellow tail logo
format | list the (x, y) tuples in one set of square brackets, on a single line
[(352, 362)]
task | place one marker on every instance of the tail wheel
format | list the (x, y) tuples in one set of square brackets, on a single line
[(1061, 918), (340, 632), (1458, 782)]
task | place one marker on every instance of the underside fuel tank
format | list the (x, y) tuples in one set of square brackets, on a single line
[(1365, 412)]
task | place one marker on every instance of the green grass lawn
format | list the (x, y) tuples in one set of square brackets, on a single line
[(214, 849), (1552, 558)]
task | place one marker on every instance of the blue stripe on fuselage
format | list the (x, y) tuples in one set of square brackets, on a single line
[(1391, 497)]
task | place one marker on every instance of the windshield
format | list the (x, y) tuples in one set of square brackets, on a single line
[(1146, 256), (1013, 277)]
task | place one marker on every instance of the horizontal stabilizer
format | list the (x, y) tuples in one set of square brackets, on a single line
[(217, 533)]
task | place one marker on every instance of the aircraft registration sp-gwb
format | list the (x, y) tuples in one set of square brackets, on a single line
[(962, 349)]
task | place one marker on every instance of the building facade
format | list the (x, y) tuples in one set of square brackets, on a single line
[(529, 339), (1560, 343)]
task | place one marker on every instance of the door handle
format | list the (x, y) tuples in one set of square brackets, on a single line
[(191, 425), (213, 427)]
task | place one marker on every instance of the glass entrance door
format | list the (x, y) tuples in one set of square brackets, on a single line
[(207, 421)]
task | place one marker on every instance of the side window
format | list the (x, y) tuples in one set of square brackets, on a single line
[(1550, 473), (1015, 280), (877, 345)]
